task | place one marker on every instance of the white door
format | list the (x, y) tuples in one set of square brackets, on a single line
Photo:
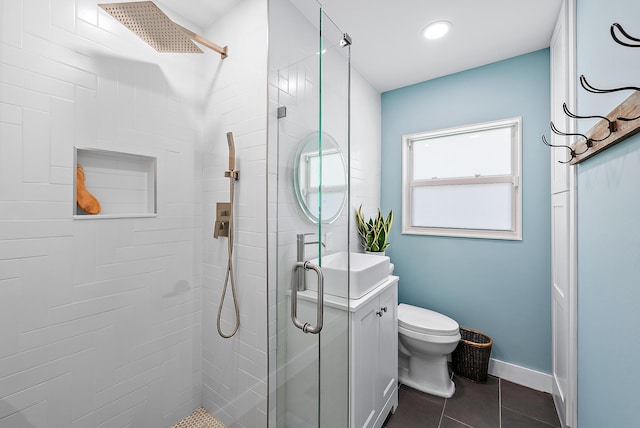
[(559, 95), (560, 307)]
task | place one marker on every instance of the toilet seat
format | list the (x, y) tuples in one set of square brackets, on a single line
[(426, 322)]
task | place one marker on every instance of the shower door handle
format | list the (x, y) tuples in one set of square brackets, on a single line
[(306, 327)]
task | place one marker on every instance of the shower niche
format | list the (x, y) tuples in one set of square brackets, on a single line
[(124, 184)]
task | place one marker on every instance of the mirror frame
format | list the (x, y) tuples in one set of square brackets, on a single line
[(311, 141)]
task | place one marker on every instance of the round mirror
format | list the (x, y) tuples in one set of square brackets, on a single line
[(320, 178)]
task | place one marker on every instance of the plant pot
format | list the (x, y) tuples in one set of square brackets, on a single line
[(376, 253)]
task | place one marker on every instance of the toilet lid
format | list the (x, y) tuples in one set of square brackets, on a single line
[(425, 321)]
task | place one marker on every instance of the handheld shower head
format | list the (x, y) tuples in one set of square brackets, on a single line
[(232, 151)]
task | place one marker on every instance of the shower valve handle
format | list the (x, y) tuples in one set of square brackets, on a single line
[(232, 173)]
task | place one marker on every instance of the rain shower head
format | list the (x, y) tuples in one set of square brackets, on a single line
[(148, 22)]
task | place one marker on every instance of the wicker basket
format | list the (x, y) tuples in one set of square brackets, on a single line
[(471, 357)]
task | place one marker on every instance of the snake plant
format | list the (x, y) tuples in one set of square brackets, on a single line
[(375, 232)]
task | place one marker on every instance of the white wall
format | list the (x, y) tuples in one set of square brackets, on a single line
[(235, 370), (365, 152), (99, 318)]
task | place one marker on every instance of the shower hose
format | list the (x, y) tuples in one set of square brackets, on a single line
[(229, 274)]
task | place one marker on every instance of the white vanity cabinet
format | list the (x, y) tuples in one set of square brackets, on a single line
[(374, 356)]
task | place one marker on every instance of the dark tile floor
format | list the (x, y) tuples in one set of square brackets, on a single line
[(495, 404)]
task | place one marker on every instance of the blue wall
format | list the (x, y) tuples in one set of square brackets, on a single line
[(501, 288), (608, 229)]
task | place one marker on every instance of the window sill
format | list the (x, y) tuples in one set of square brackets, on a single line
[(508, 235)]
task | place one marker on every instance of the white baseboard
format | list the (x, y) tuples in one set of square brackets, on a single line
[(521, 375)]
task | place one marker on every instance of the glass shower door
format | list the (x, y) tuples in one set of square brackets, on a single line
[(312, 221)]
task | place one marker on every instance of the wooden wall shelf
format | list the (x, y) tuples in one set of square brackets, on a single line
[(629, 108)]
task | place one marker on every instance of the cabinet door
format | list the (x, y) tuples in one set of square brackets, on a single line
[(388, 345), (365, 339)]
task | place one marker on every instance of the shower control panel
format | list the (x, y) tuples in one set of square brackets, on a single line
[(221, 227)]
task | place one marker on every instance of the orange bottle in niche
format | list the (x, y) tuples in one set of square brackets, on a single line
[(85, 200)]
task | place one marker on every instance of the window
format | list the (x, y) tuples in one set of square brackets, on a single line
[(464, 181)]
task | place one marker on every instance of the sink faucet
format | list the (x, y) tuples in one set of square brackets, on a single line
[(300, 244)]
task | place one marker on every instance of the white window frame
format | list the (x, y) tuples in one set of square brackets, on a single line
[(515, 178)]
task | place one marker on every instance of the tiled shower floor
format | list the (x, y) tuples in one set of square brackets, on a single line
[(200, 418)]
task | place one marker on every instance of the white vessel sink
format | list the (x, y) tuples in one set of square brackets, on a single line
[(367, 272)]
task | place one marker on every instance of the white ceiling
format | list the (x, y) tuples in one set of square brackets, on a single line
[(388, 48)]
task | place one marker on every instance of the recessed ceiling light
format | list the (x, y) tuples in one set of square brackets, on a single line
[(437, 29)]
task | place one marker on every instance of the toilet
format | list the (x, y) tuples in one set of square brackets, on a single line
[(425, 339)]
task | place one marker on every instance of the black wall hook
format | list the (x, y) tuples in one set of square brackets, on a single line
[(613, 127), (571, 151), (564, 134), (617, 26), (592, 89)]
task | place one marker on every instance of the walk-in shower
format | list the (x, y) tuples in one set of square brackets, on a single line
[(108, 319), (152, 25)]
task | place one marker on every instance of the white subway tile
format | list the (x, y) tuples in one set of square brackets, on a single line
[(9, 314), (84, 256), (59, 395), (128, 386), (87, 11), (10, 114), (11, 29), (26, 98), (63, 15), (61, 61), (25, 229), (28, 210), (10, 269), (34, 376), (36, 82), (36, 18), (103, 414), (22, 400), (86, 117), (36, 414), (10, 163), (48, 192), (61, 175), (62, 135), (35, 147)]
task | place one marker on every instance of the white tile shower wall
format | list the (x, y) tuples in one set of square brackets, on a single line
[(100, 319), (235, 370), (366, 143)]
